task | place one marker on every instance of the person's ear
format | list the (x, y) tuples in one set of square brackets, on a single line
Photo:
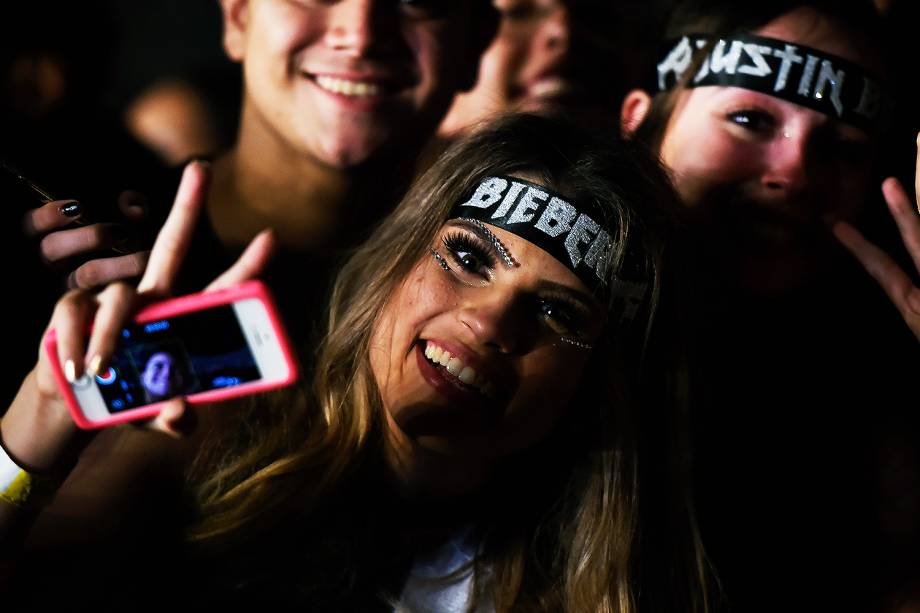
[(236, 18), (633, 111)]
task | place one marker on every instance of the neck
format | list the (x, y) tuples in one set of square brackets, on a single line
[(264, 182), (423, 473)]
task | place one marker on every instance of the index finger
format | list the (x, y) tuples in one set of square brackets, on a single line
[(51, 216), (175, 236)]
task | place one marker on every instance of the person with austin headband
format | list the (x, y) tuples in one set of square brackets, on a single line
[(471, 438), (769, 117)]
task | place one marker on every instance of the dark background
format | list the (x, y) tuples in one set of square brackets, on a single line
[(111, 51)]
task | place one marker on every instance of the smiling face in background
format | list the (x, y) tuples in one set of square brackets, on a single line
[(770, 175), (546, 55), (340, 80), (469, 354)]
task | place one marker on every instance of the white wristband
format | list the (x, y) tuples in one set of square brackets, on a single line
[(15, 481), (9, 470)]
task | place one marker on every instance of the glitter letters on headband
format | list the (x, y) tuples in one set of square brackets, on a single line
[(567, 231), (802, 75)]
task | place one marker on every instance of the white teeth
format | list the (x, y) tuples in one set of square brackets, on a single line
[(456, 367), (348, 88), (467, 375)]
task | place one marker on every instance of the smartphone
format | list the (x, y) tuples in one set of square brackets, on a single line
[(206, 347)]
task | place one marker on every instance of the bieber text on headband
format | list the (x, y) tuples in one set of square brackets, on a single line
[(567, 231)]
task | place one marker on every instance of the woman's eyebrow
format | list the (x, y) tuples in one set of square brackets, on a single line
[(497, 247)]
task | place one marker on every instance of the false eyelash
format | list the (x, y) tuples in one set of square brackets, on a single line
[(461, 241)]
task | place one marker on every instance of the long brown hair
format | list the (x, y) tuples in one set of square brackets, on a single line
[(570, 517)]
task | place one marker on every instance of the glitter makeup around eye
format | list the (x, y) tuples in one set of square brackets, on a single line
[(502, 251), (441, 261), (573, 342)]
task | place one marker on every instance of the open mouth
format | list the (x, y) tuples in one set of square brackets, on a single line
[(474, 402), (348, 87), (456, 371), (356, 89), (449, 375)]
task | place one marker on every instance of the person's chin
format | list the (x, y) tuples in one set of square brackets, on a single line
[(348, 150), (468, 444)]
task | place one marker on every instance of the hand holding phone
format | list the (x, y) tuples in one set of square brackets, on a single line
[(206, 347), (37, 429), (108, 311)]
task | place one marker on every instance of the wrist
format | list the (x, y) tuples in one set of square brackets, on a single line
[(36, 432)]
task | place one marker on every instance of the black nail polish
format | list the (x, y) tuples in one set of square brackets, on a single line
[(71, 209)]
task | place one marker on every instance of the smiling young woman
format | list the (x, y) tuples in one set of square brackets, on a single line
[(472, 434), (481, 347), (770, 128), (770, 117)]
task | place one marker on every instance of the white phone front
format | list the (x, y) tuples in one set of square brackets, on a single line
[(207, 355)]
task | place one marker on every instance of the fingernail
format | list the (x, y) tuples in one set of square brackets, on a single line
[(71, 209), (94, 365), (70, 371), (202, 162)]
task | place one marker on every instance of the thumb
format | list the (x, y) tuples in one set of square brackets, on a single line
[(176, 419)]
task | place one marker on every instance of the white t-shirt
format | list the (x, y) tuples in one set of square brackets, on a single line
[(425, 589)]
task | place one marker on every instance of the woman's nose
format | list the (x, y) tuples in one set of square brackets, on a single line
[(785, 162), (495, 322)]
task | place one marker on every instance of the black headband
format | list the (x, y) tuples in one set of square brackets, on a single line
[(568, 232), (796, 73)]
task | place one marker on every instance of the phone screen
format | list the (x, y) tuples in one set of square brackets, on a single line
[(189, 353)]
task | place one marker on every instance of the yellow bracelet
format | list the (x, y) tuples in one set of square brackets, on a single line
[(16, 483), (18, 491)]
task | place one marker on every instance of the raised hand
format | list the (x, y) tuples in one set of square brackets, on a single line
[(896, 282), (37, 426)]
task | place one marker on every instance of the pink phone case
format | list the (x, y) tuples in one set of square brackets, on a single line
[(171, 308)]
